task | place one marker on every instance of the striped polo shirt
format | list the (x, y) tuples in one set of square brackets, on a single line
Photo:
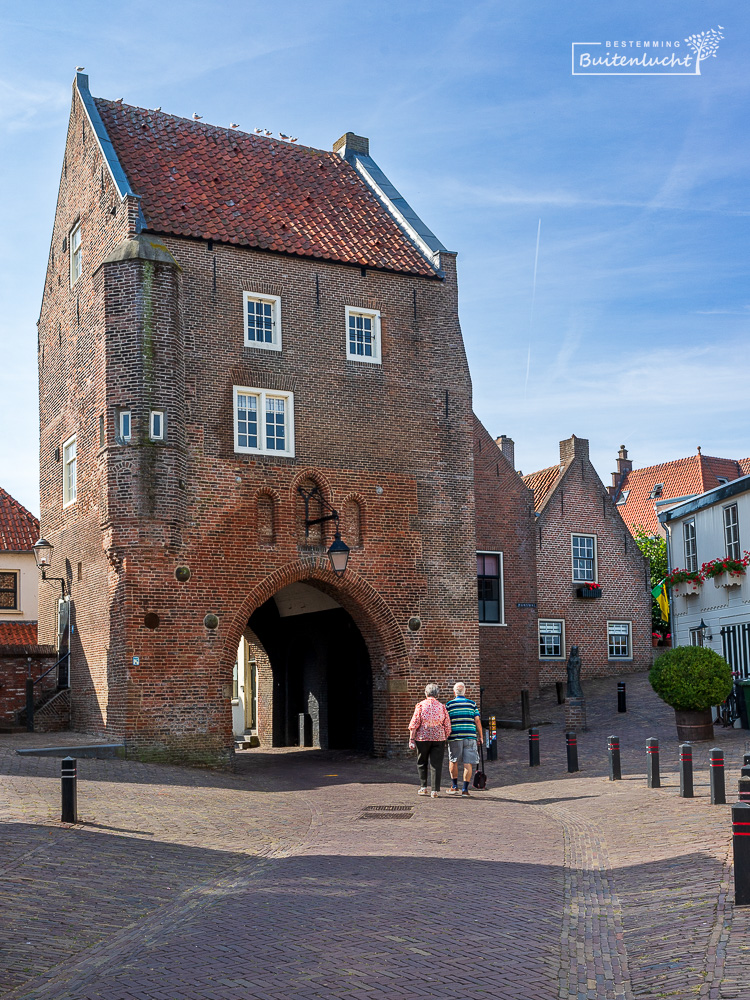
[(462, 712)]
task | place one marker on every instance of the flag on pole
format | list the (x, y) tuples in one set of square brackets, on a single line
[(659, 594)]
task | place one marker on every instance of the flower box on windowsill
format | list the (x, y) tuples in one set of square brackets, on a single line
[(688, 588), (729, 579), (589, 592)]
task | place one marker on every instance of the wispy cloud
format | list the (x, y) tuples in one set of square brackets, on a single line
[(29, 107)]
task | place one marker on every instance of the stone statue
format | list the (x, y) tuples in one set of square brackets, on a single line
[(574, 674)]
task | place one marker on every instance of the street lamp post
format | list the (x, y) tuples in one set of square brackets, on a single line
[(43, 555), (338, 553)]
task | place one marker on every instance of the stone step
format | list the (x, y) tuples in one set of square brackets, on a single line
[(101, 751)]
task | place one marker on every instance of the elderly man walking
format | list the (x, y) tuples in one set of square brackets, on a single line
[(466, 729)]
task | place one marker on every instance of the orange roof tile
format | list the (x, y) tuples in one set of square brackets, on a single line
[(19, 529), (203, 181), (680, 478), (18, 634), (542, 483)]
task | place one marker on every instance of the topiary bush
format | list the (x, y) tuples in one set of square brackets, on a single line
[(691, 678)]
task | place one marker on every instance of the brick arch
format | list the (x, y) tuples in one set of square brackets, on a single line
[(373, 617)]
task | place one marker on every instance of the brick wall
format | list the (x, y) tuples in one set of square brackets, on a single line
[(16, 664), (580, 505), (505, 523), (137, 333)]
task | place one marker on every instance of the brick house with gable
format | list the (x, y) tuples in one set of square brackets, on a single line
[(232, 327), (642, 494), (580, 540)]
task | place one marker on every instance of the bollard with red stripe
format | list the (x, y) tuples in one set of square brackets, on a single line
[(571, 745), (652, 763), (615, 771), (533, 747), (686, 771), (743, 785), (716, 770), (741, 850)]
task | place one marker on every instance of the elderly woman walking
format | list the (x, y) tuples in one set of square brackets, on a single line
[(429, 729)]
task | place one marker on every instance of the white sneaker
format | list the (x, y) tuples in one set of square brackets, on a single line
[(423, 791), (452, 791), (434, 795)]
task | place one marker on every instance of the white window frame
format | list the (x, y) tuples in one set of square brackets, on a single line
[(70, 482), (556, 621), (690, 545), (595, 568), (151, 430), (501, 586), (374, 315), (630, 639), (125, 417), (275, 302), (263, 395), (76, 253), (733, 529), (17, 607)]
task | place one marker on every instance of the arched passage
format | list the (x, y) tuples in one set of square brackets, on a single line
[(334, 649)]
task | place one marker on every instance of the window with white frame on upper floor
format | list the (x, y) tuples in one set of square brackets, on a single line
[(70, 471), (76, 254), (156, 425), (551, 639), (263, 421), (618, 640), (689, 545), (125, 425), (584, 558), (262, 321), (9, 590), (363, 335), (490, 587), (732, 532)]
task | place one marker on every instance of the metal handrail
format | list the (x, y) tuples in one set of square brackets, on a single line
[(53, 667), (30, 690)]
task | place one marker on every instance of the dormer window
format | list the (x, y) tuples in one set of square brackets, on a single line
[(657, 491), (722, 480), (623, 498), (76, 256)]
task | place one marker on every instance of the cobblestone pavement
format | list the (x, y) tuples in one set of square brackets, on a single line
[(306, 875)]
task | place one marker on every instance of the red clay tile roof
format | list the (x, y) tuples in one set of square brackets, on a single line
[(744, 464), (18, 634), (542, 483), (204, 181), (683, 477), (19, 530)]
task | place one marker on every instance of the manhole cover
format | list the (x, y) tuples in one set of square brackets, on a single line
[(387, 812)]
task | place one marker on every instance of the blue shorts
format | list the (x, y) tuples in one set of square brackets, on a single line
[(463, 751)]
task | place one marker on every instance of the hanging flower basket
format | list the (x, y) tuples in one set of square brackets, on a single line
[(726, 572), (729, 579), (590, 590), (688, 588)]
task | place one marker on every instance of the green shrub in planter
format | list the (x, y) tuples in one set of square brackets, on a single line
[(691, 678)]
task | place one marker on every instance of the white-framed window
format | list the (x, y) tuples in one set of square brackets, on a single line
[(689, 545), (70, 471), (156, 425), (696, 636), (9, 590), (363, 335), (76, 254), (490, 588), (583, 549), (551, 639), (732, 532), (263, 421), (262, 321), (618, 640), (124, 425)]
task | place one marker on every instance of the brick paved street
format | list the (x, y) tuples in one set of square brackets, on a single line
[(284, 881)]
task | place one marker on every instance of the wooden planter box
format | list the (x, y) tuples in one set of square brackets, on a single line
[(729, 580), (689, 588)]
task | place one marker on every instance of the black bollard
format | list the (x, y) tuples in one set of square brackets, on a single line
[(29, 705), (534, 747), (745, 759), (741, 851), (652, 762), (716, 770), (622, 697), (571, 745), (686, 771), (615, 771), (68, 782), (525, 710), (743, 789)]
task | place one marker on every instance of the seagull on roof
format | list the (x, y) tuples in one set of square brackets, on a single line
[(258, 131), (80, 69), (282, 136), (196, 117), (293, 138), (158, 109), (268, 133), (233, 125), (118, 100)]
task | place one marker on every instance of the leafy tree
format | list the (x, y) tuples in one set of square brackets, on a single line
[(654, 548)]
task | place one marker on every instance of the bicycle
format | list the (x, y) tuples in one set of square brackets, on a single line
[(729, 711)]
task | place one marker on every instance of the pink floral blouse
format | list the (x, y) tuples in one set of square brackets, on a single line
[(430, 721)]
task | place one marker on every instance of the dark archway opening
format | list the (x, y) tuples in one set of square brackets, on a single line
[(321, 669)]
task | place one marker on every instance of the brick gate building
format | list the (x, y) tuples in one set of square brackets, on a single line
[(228, 318)]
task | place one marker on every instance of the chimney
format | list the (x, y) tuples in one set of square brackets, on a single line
[(351, 143), (624, 466), (506, 446), (573, 447)]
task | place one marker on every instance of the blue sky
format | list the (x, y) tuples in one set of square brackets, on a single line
[(638, 329)]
